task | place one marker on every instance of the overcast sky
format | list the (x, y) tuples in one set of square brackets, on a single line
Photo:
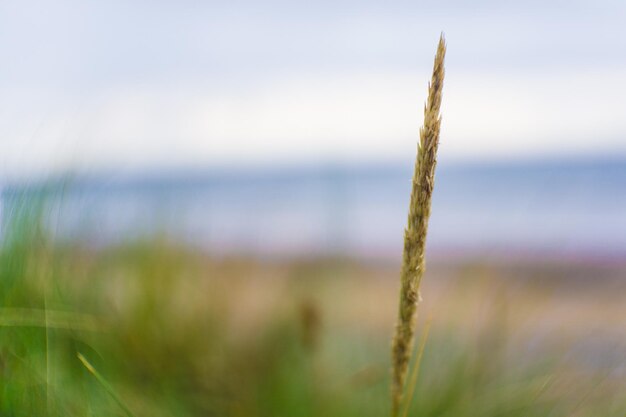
[(149, 84)]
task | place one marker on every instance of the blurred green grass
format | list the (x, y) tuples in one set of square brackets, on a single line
[(165, 330)]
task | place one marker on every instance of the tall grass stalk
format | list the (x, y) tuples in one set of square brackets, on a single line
[(415, 234)]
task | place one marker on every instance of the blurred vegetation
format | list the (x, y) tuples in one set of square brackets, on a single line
[(164, 330)]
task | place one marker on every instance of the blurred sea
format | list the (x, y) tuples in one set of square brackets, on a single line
[(535, 208)]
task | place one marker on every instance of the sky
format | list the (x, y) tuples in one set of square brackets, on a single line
[(137, 84)]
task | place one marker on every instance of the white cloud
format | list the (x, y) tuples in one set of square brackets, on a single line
[(339, 117), (139, 84)]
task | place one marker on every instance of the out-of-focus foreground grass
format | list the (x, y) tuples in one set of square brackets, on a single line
[(168, 331)]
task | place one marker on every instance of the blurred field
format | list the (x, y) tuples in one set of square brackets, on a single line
[(203, 205), (172, 331)]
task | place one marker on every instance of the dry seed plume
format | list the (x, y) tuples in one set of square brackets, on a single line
[(415, 233)]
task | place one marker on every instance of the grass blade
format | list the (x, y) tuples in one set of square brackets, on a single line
[(104, 384), (416, 369)]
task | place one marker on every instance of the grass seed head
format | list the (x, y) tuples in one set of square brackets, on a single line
[(413, 264)]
